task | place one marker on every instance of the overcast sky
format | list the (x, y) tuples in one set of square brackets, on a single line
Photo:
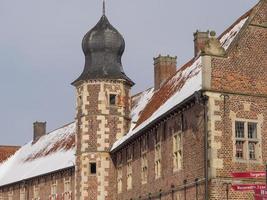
[(40, 50)]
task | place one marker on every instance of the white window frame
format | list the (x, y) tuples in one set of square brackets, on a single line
[(36, 192), (129, 169), (67, 188), (22, 193), (53, 190), (144, 162), (246, 140), (177, 150), (10, 193), (157, 154), (119, 178)]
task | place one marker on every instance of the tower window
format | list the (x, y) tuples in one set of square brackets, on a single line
[(112, 99), (92, 168)]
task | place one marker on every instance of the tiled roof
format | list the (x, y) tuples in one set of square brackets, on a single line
[(183, 84), (7, 151), (186, 81), (58, 147), (51, 152)]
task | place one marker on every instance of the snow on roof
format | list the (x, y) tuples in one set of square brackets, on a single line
[(187, 80), (229, 36), (139, 102), (182, 85), (51, 152), (7, 151)]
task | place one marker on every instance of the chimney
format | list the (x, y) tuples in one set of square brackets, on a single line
[(164, 68), (39, 129), (200, 39)]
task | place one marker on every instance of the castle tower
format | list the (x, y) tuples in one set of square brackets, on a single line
[(103, 111)]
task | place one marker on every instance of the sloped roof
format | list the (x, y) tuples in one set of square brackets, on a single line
[(186, 81), (182, 85), (139, 102), (51, 152), (7, 151), (58, 147)]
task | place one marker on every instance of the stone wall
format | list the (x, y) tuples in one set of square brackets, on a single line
[(100, 123)]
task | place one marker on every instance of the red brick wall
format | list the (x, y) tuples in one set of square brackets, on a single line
[(245, 68), (44, 184), (242, 77), (193, 161)]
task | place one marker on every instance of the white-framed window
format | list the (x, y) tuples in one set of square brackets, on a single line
[(157, 154), (67, 188), (1, 195), (10, 193), (54, 189), (247, 140), (129, 175), (22, 193), (144, 163), (67, 184), (119, 179), (177, 150), (129, 169), (119, 171), (36, 192), (144, 172)]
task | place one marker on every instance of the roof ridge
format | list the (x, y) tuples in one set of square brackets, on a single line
[(60, 127), (10, 146), (141, 92), (246, 14)]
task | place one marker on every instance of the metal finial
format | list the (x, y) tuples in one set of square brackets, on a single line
[(104, 7)]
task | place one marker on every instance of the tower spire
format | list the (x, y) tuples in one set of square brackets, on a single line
[(104, 7)]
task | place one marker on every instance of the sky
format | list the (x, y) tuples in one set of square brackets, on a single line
[(40, 50)]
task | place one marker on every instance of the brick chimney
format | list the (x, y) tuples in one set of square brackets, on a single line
[(164, 67), (39, 129), (200, 39)]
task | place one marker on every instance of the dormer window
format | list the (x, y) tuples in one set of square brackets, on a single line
[(112, 99)]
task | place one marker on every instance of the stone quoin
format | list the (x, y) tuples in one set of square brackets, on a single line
[(181, 139)]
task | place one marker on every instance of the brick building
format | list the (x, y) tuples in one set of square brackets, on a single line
[(180, 139)]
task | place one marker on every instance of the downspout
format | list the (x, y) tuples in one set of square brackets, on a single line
[(206, 167)]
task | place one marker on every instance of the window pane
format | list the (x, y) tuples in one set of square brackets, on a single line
[(112, 99), (93, 168), (239, 149), (251, 149), (239, 129), (252, 130)]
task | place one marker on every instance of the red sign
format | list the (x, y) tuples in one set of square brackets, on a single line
[(247, 187), (258, 197), (260, 192), (248, 174)]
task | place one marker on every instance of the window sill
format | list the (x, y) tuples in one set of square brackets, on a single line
[(247, 161), (176, 170)]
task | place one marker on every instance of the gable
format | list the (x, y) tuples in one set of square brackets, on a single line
[(245, 67)]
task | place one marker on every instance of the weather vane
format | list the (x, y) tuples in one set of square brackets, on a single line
[(104, 7)]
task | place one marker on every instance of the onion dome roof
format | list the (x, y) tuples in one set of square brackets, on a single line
[(103, 47)]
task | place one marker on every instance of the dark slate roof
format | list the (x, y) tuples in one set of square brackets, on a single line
[(103, 47)]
